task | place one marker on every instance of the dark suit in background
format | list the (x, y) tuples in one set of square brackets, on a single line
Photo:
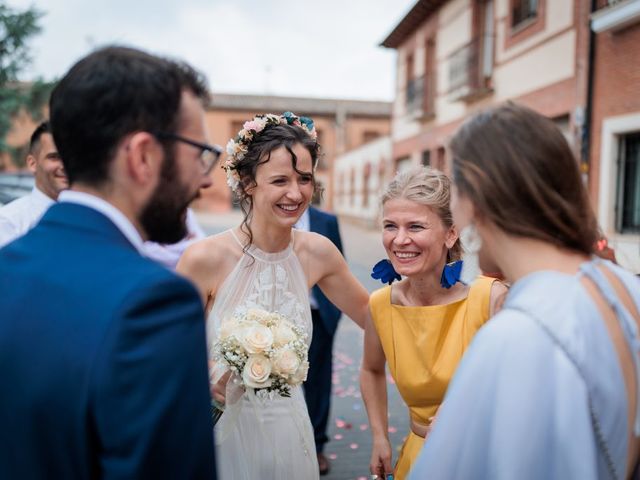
[(325, 322), (102, 358)]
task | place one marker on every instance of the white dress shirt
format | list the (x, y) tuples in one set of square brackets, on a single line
[(19, 216), (112, 213)]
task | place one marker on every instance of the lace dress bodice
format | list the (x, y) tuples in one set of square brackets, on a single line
[(270, 281)]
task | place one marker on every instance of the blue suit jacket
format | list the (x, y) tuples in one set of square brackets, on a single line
[(326, 224), (102, 358)]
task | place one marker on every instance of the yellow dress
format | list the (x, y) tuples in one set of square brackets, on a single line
[(423, 346)]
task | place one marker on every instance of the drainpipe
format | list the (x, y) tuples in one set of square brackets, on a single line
[(586, 135)]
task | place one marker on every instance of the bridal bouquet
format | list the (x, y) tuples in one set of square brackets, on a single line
[(264, 350)]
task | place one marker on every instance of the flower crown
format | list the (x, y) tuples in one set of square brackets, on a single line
[(238, 146)]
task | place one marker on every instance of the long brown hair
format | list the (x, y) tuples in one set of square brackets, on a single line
[(518, 170)]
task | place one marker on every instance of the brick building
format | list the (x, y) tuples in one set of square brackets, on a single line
[(459, 56), (614, 179)]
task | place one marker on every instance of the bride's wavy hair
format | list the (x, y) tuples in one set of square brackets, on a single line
[(259, 152)]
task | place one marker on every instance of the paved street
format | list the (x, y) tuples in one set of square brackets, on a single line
[(349, 448)]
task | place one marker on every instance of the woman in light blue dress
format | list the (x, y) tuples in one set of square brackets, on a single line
[(549, 388)]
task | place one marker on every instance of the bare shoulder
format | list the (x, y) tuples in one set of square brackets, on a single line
[(314, 243), (208, 261), (497, 296), (211, 251)]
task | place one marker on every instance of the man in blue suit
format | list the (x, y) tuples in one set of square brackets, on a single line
[(102, 351), (325, 316)]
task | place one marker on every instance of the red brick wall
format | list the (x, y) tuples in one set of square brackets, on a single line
[(616, 87)]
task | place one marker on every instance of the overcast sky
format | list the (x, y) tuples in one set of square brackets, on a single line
[(319, 48)]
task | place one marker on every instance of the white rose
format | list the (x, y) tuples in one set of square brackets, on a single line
[(256, 372), (286, 361), (257, 338), (283, 333), (301, 374), (229, 328)]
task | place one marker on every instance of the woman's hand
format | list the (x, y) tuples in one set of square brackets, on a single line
[(381, 458), (219, 388)]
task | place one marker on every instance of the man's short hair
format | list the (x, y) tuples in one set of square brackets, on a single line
[(34, 142), (109, 94)]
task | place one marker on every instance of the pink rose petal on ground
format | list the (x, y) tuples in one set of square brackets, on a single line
[(340, 423), (338, 436), (353, 446), (393, 429), (332, 456), (364, 426)]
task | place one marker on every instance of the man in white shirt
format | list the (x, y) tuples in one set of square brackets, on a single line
[(17, 217)]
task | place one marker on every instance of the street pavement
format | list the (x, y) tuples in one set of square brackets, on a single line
[(349, 448)]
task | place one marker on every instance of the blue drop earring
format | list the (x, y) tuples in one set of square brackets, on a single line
[(384, 271), (451, 274)]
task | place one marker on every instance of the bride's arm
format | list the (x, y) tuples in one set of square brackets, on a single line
[(198, 263), (338, 283)]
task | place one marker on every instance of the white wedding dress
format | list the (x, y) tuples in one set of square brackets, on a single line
[(263, 438)]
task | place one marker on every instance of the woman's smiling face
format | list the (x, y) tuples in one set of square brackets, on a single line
[(281, 193), (415, 238)]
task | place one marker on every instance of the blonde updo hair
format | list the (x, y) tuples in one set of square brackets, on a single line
[(430, 187)]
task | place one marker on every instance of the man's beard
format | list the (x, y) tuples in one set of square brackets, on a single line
[(164, 217)]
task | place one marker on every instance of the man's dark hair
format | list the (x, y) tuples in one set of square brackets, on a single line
[(34, 142), (109, 94)]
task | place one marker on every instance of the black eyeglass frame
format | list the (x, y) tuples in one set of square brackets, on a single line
[(214, 150)]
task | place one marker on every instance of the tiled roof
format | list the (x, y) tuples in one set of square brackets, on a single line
[(300, 106), (411, 21)]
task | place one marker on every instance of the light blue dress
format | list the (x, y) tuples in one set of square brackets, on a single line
[(519, 405)]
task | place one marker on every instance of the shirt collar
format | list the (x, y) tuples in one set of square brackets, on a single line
[(303, 223), (108, 210), (42, 197)]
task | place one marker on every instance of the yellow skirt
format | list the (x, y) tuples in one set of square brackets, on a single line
[(408, 454)]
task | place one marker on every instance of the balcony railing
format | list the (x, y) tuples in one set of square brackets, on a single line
[(470, 70), (420, 96)]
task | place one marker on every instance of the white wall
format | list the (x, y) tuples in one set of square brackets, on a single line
[(373, 153)]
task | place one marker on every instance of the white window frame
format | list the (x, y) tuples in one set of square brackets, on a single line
[(612, 129)]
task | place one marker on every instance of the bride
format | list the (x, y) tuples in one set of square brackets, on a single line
[(263, 263)]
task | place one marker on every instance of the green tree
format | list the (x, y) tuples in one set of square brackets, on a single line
[(16, 29)]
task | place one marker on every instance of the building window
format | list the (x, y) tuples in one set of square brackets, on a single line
[(369, 136), (429, 80), (628, 201), (522, 11), (365, 185), (352, 188), (426, 158)]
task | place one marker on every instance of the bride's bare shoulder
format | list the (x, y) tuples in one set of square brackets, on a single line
[(313, 243), (212, 252)]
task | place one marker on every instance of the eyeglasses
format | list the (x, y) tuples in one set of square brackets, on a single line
[(209, 155)]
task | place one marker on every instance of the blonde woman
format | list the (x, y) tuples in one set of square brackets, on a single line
[(421, 325)]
